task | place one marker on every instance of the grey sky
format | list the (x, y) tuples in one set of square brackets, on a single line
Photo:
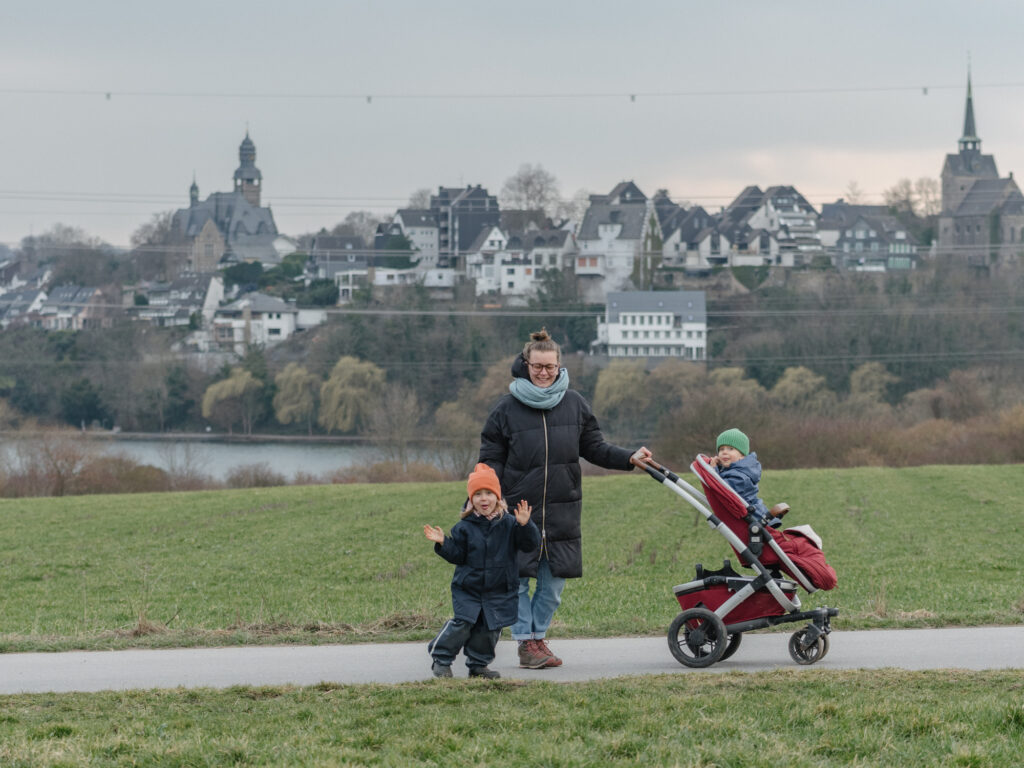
[(465, 91)]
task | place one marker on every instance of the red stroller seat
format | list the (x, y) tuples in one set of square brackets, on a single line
[(795, 544)]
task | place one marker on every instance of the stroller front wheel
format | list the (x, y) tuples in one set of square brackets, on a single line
[(697, 638), (806, 651)]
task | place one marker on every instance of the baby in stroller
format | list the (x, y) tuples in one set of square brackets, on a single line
[(742, 471)]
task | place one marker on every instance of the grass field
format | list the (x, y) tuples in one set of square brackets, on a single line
[(912, 547), (784, 718)]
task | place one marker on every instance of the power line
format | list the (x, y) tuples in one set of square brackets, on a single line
[(369, 97)]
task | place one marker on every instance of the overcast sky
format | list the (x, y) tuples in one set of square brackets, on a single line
[(813, 94)]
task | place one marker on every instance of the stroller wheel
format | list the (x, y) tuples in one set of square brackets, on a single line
[(804, 652), (697, 638), (734, 643)]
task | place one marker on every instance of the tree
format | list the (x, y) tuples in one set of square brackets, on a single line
[(394, 420), (900, 197), (80, 403), (297, 390), (347, 397), (575, 208), (622, 398), (237, 398), (359, 223), (459, 435), (929, 196), (420, 199), (803, 389), (871, 380), (530, 188), (854, 194)]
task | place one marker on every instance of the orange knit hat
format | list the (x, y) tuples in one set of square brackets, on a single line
[(483, 478)]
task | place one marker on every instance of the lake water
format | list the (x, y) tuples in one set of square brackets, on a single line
[(217, 459)]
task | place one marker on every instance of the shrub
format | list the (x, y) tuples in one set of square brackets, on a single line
[(254, 476)]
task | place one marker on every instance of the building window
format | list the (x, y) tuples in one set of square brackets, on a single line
[(593, 261)]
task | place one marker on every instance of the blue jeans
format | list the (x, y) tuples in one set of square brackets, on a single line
[(535, 613)]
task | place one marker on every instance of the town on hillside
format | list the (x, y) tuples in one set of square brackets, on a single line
[(220, 269)]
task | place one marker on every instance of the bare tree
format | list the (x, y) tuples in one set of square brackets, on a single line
[(531, 188), (901, 197), (854, 194), (359, 223), (394, 422), (929, 196), (420, 199), (574, 208)]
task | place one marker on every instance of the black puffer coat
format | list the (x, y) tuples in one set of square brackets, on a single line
[(486, 574), (536, 455)]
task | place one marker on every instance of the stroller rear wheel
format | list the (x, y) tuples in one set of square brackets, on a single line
[(806, 651), (697, 638)]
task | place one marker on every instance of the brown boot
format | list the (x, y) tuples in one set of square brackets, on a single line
[(779, 509), (553, 661), (531, 656)]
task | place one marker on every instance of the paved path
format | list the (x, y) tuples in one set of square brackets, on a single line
[(972, 648)]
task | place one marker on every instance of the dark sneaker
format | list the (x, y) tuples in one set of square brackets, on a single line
[(490, 674), (553, 661), (531, 656), (441, 670)]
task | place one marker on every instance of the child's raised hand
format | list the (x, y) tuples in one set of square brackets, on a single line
[(523, 511), (434, 533)]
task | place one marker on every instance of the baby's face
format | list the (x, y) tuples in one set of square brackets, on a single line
[(727, 455)]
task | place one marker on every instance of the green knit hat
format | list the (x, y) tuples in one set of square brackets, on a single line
[(734, 438)]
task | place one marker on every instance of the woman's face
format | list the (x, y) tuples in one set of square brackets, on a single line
[(543, 368)]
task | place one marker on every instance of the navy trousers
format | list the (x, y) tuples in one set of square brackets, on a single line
[(475, 640)]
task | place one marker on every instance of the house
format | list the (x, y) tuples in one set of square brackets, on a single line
[(76, 308), (20, 306), (512, 264), (866, 238), (177, 302), (617, 230), (982, 217), (231, 227), (420, 227), (776, 227), (331, 254), (254, 319), (461, 214), (654, 324)]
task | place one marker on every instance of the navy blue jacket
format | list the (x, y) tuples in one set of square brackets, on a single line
[(486, 573), (743, 477), (536, 455)]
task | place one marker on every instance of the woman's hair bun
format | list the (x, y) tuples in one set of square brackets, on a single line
[(541, 335)]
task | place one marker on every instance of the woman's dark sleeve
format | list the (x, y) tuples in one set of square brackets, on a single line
[(594, 448), (494, 444)]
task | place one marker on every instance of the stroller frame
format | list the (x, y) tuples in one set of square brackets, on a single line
[(700, 636)]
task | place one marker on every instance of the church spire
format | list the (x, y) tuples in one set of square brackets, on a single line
[(970, 138)]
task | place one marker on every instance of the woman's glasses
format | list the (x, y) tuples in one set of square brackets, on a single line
[(538, 367)]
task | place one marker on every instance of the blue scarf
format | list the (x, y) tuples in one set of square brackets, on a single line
[(541, 398)]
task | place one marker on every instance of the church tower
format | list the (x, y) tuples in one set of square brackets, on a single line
[(248, 176), (961, 170), (193, 194)]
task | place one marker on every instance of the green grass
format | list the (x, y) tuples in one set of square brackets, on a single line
[(790, 718), (918, 547)]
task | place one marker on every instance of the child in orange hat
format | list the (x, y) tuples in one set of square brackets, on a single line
[(485, 588)]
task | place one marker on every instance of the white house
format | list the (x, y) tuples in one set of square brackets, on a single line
[(654, 324), (614, 233), (253, 319), (421, 229), (511, 265)]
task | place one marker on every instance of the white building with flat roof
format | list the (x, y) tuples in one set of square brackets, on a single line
[(654, 324)]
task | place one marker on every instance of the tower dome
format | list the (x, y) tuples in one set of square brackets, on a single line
[(248, 176)]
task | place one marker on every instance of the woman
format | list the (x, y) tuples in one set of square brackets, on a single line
[(533, 439)]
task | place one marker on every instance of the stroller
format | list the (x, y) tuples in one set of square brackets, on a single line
[(719, 606)]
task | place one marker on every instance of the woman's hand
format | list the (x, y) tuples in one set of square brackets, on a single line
[(523, 511), (639, 459), (435, 534)]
